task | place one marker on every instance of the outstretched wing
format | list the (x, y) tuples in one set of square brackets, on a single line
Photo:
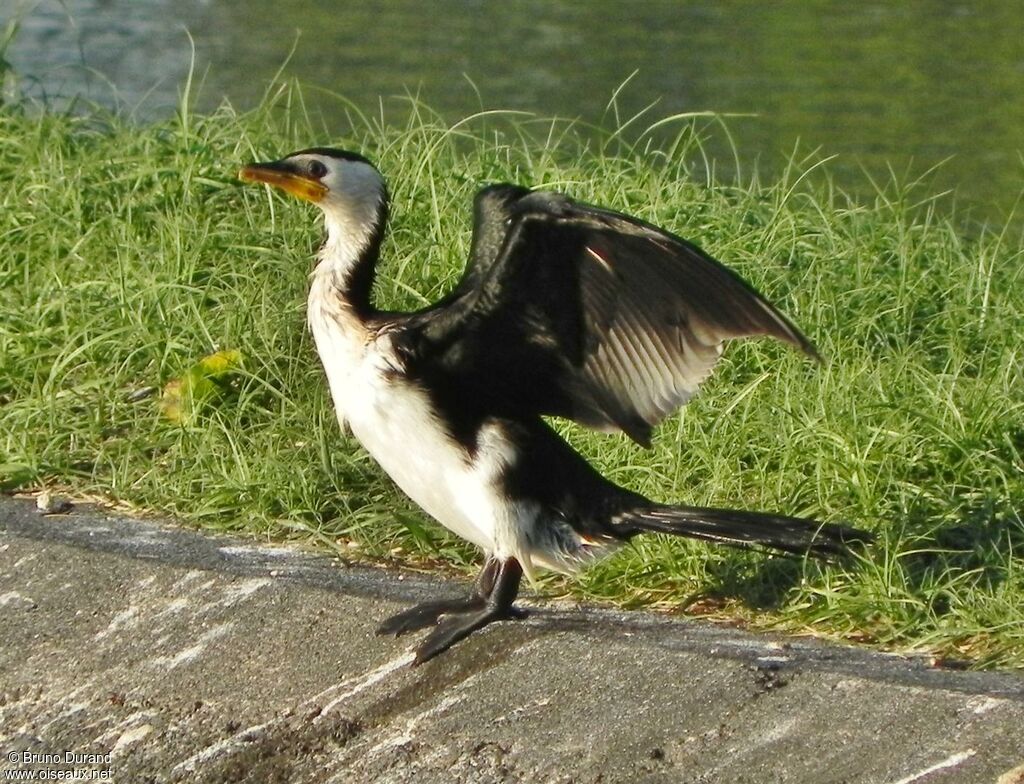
[(494, 207), (575, 311)]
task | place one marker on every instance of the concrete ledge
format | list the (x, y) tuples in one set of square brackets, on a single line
[(187, 657)]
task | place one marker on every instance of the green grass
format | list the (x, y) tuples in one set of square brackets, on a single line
[(128, 253)]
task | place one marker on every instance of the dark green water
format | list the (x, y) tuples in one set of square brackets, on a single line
[(905, 85)]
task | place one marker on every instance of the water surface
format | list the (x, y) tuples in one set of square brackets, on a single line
[(880, 85)]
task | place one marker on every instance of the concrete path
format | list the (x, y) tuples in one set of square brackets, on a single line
[(177, 656)]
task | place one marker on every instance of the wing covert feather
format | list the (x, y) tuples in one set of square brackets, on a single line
[(593, 315)]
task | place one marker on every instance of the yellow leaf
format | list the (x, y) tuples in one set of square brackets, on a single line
[(183, 398)]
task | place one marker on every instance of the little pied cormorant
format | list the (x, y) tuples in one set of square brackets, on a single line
[(564, 310)]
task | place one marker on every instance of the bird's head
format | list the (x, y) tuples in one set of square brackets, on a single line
[(344, 185)]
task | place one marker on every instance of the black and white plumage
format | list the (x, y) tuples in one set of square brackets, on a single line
[(564, 309)]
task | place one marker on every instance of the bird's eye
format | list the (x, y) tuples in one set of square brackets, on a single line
[(317, 169)]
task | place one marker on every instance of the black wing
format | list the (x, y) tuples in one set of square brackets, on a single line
[(571, 310), (493, 209)]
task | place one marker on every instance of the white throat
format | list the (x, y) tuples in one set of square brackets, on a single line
[(353, 211), (349, 233)]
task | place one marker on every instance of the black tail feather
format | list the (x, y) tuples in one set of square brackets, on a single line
[(794, 535)]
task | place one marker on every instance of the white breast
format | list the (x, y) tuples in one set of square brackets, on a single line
[(395, 422)]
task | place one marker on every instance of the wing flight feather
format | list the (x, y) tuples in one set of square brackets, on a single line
[(575, 311)]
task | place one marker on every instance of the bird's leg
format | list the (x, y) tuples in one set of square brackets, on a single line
[(496, 607), (428, 613)]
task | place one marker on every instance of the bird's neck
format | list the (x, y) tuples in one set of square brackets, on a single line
[(347, 261)]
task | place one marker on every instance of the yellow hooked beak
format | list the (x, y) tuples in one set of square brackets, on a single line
[(282, 175)]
